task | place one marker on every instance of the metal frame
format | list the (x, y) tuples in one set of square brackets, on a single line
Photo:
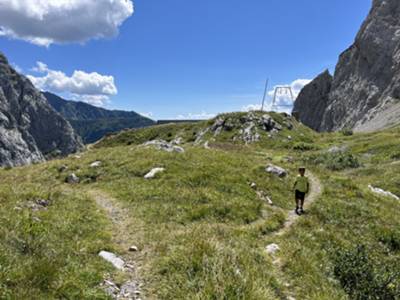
[(281, 88)]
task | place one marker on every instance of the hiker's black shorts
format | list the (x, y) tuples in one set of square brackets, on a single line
[(300, 195)]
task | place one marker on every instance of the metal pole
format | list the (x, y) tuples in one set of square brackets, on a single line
[(265, 94)]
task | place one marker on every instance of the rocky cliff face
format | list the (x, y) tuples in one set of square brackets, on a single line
[(365, 91), (30, 129), (313, 99)]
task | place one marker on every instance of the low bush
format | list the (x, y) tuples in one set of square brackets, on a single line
[(347, 132), (361, 278), (301, 146), (336, 161)]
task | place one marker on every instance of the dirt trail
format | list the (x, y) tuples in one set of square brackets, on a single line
[(315, 193), (123, 230)]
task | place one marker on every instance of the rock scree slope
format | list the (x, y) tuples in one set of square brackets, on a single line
[(364, 93), (30, 129)]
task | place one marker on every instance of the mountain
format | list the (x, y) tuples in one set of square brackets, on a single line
[(364, 92), (25, 119), (91, 122)]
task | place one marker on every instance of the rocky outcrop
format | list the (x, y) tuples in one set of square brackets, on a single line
[(248, 126), (365, 91), (312, 101), (30, 129)]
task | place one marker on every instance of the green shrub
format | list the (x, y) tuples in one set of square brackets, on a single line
[(391, 239), (395, 155), (336, 161), (301, 146), (347, 132), (361, 278)]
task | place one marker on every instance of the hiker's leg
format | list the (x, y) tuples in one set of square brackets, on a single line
[(301, 203)]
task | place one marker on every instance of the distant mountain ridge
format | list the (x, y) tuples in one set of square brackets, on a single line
[(30, 129), (91, 122)]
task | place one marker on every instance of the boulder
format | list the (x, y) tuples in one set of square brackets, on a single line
[(116, 261), (153, 173), (383, 192), (275, 170), (133, 248), (272, 249), (72, 179), (95, 164), (164, 145)]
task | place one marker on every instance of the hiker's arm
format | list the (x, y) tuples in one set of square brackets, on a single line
[(308, 186), (294, 185)]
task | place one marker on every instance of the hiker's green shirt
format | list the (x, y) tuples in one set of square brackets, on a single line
[(301, 184)]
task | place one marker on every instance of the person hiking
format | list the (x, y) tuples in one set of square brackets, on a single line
[(301, 188)]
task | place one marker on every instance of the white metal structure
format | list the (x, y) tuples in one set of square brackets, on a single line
[(265, 94), (282, 90)]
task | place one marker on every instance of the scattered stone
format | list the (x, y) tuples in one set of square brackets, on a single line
[(206, 145), (95, 164), (133, 248), (111, 288), (264, 197), (383, 192), (269, 123), (272, 249), (177, 141), (38, 204), (164, 145), (250, 134), (113, 259), (289, 137), (43, 202), (253, 185), (129, 289), (337, 149), (200, 136), (275, 170), (72, 179), (153, 173)]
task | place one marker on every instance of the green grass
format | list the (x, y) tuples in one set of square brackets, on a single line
[(49, 254), (200, 225)]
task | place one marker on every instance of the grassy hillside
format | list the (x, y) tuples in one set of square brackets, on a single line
[(201, 229)]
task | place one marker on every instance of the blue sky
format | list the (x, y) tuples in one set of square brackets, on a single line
[(188, 58)]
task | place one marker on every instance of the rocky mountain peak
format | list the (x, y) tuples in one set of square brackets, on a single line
[(30, 129), (365, 90)]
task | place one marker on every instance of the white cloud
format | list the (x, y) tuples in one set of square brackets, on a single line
[(196, 116), (44, 22), (251, 107), (284, 100), (17, 68), (92, 88), (147, 114)]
